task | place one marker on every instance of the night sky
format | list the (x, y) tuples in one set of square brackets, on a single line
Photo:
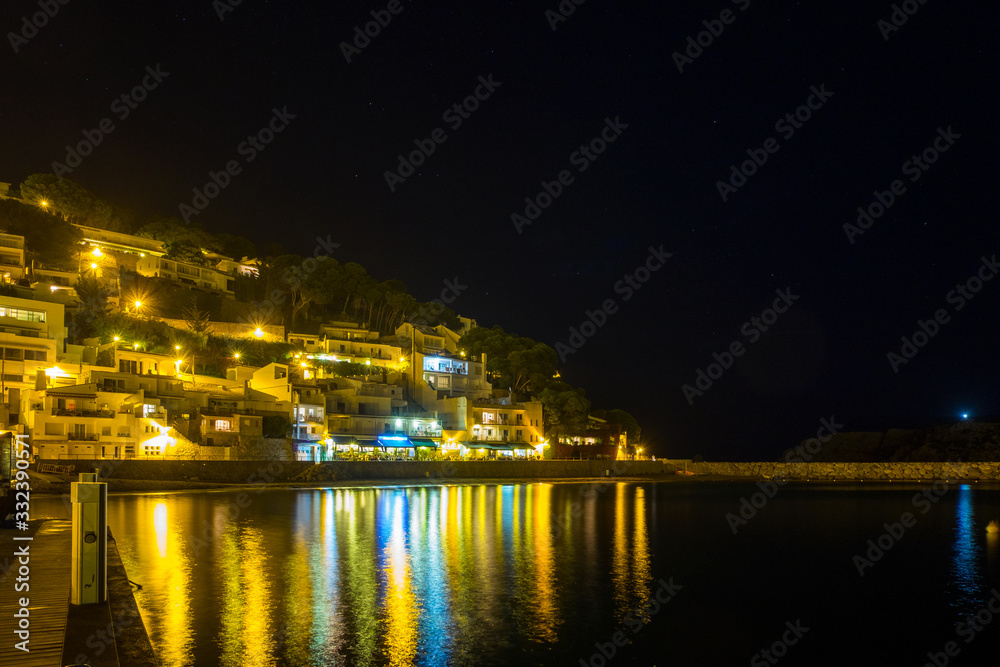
[(885, 95)]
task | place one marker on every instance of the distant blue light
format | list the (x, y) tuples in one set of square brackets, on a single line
[(965, 415)]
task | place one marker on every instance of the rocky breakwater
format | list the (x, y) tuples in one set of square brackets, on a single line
[(851, 471)]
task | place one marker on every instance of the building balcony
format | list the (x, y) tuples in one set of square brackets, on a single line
[(495, 438), (64, 412), (425, 433), (86, 437), (317, 419)]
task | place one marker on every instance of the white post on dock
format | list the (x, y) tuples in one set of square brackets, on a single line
[(89, 571)]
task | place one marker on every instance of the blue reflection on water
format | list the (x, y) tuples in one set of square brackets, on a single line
[(966, 576), (429, 577)]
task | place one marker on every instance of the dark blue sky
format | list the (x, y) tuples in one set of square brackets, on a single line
[(656, 184)]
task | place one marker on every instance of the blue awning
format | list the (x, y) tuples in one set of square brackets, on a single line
[(394, 441)]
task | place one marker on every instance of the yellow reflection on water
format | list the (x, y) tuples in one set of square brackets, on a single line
[(619, 557), (546, 603), (298, 599), (401, 612), (160, 527), (640, 555), (361, 580), (175, 616), (248, 634), (630, 574)]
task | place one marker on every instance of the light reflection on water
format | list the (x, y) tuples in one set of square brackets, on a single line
[(966, 576), (532, 574), (385, 576)]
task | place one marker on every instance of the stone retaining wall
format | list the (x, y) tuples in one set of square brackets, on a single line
[(249, 472), (853, 471)]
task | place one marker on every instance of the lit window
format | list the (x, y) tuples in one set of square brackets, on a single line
[(221, 424)]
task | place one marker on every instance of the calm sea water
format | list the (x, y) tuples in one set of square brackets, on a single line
[(554, 574)]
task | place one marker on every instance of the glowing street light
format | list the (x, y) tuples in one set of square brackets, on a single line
[(236, 355), (96, 252), (135, 346), (258, 332), (93, 265), (138, 305), (177, 364), (116, 339)]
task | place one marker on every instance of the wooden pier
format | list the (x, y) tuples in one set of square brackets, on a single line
[(48, 597), (110, 634)]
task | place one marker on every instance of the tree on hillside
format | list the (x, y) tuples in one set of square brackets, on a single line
[(566, 409), (198, 321), (627, 423), (512, 361), (67, 199), (94, 299), (49, 239), (184, 250), (174, 230), (235, 247), (386, 305), (353, 281), (74, 203), (532, 369)]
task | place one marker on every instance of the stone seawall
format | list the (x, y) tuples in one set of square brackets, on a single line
[(853, 471), (250, 472)]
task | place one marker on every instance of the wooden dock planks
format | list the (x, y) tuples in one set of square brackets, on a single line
[(48, 596)]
